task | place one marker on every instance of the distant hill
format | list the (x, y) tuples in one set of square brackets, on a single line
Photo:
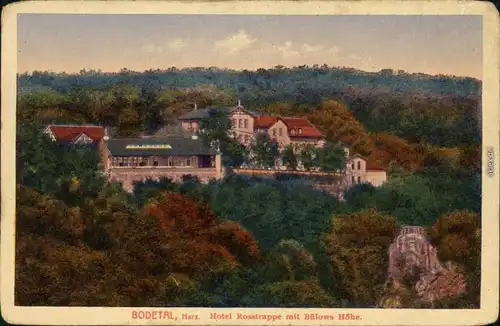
[(280, 83)]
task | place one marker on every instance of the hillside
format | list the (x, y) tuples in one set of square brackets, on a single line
[(374, 113), (245, 241), (317, 81)]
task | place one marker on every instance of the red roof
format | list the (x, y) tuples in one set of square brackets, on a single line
[(374, 166), (308, 129), (70, 133), (265, 121)]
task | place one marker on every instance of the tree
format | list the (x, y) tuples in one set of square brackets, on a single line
[(417, 198), (337, 122), (127, 258), (393, 149), (457, 238), (289, 157), (289, 261), (470, 157), (299, 294), (148, 189), (234, 154), (332, 158), (215, 128), (35, 105), (204, 243), (128, 123), (274, 210), (360, 196), (265, 151), (356, 253), (81, 102), (118, 274), (215, 132), (122, 106), (52, 167), (309, 156), (150, 109)]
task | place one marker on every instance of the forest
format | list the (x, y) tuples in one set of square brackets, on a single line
[(244, 241)]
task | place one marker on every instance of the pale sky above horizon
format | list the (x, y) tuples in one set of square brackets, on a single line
[(428, 44)]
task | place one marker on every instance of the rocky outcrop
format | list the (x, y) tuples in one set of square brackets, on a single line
[(413, 261)]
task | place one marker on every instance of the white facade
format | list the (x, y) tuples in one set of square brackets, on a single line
[(358, 172)]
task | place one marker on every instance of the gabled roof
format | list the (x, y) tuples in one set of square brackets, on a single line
[(373, 166), (164, 146), (308, 129), (370, 165), (69, 133), (199, 114), (82, 137), (265, 121), (357, 156)]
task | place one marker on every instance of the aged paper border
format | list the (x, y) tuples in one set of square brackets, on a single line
[(123, 316)]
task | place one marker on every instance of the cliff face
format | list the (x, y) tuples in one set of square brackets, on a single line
[(413, 261)]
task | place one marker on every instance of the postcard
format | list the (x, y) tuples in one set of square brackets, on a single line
[(250, 163)]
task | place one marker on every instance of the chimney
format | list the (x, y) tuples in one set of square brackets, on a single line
[(239, 103), (106, 133), (195, 106)]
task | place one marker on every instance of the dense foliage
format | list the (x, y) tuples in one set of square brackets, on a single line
[(242, 240), (315, 79), (440, 110)]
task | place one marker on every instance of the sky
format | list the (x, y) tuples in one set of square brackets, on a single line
[(450, 45)]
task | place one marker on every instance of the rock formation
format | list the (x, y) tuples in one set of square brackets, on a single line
[(413, 261)]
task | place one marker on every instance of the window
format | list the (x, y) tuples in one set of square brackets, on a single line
[(170, 163), (359, 165), (352, 166), (274, 132), (142, 163), (155, 163), (246, 123), (300, 131), (234, 123), (120, 164), (240, 124), (247, 139), (292, 132), (353, 179), (280, 132), (188, 162), (359, 179)]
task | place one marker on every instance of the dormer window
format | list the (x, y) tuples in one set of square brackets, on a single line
[(300, 131), (292, 132)]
